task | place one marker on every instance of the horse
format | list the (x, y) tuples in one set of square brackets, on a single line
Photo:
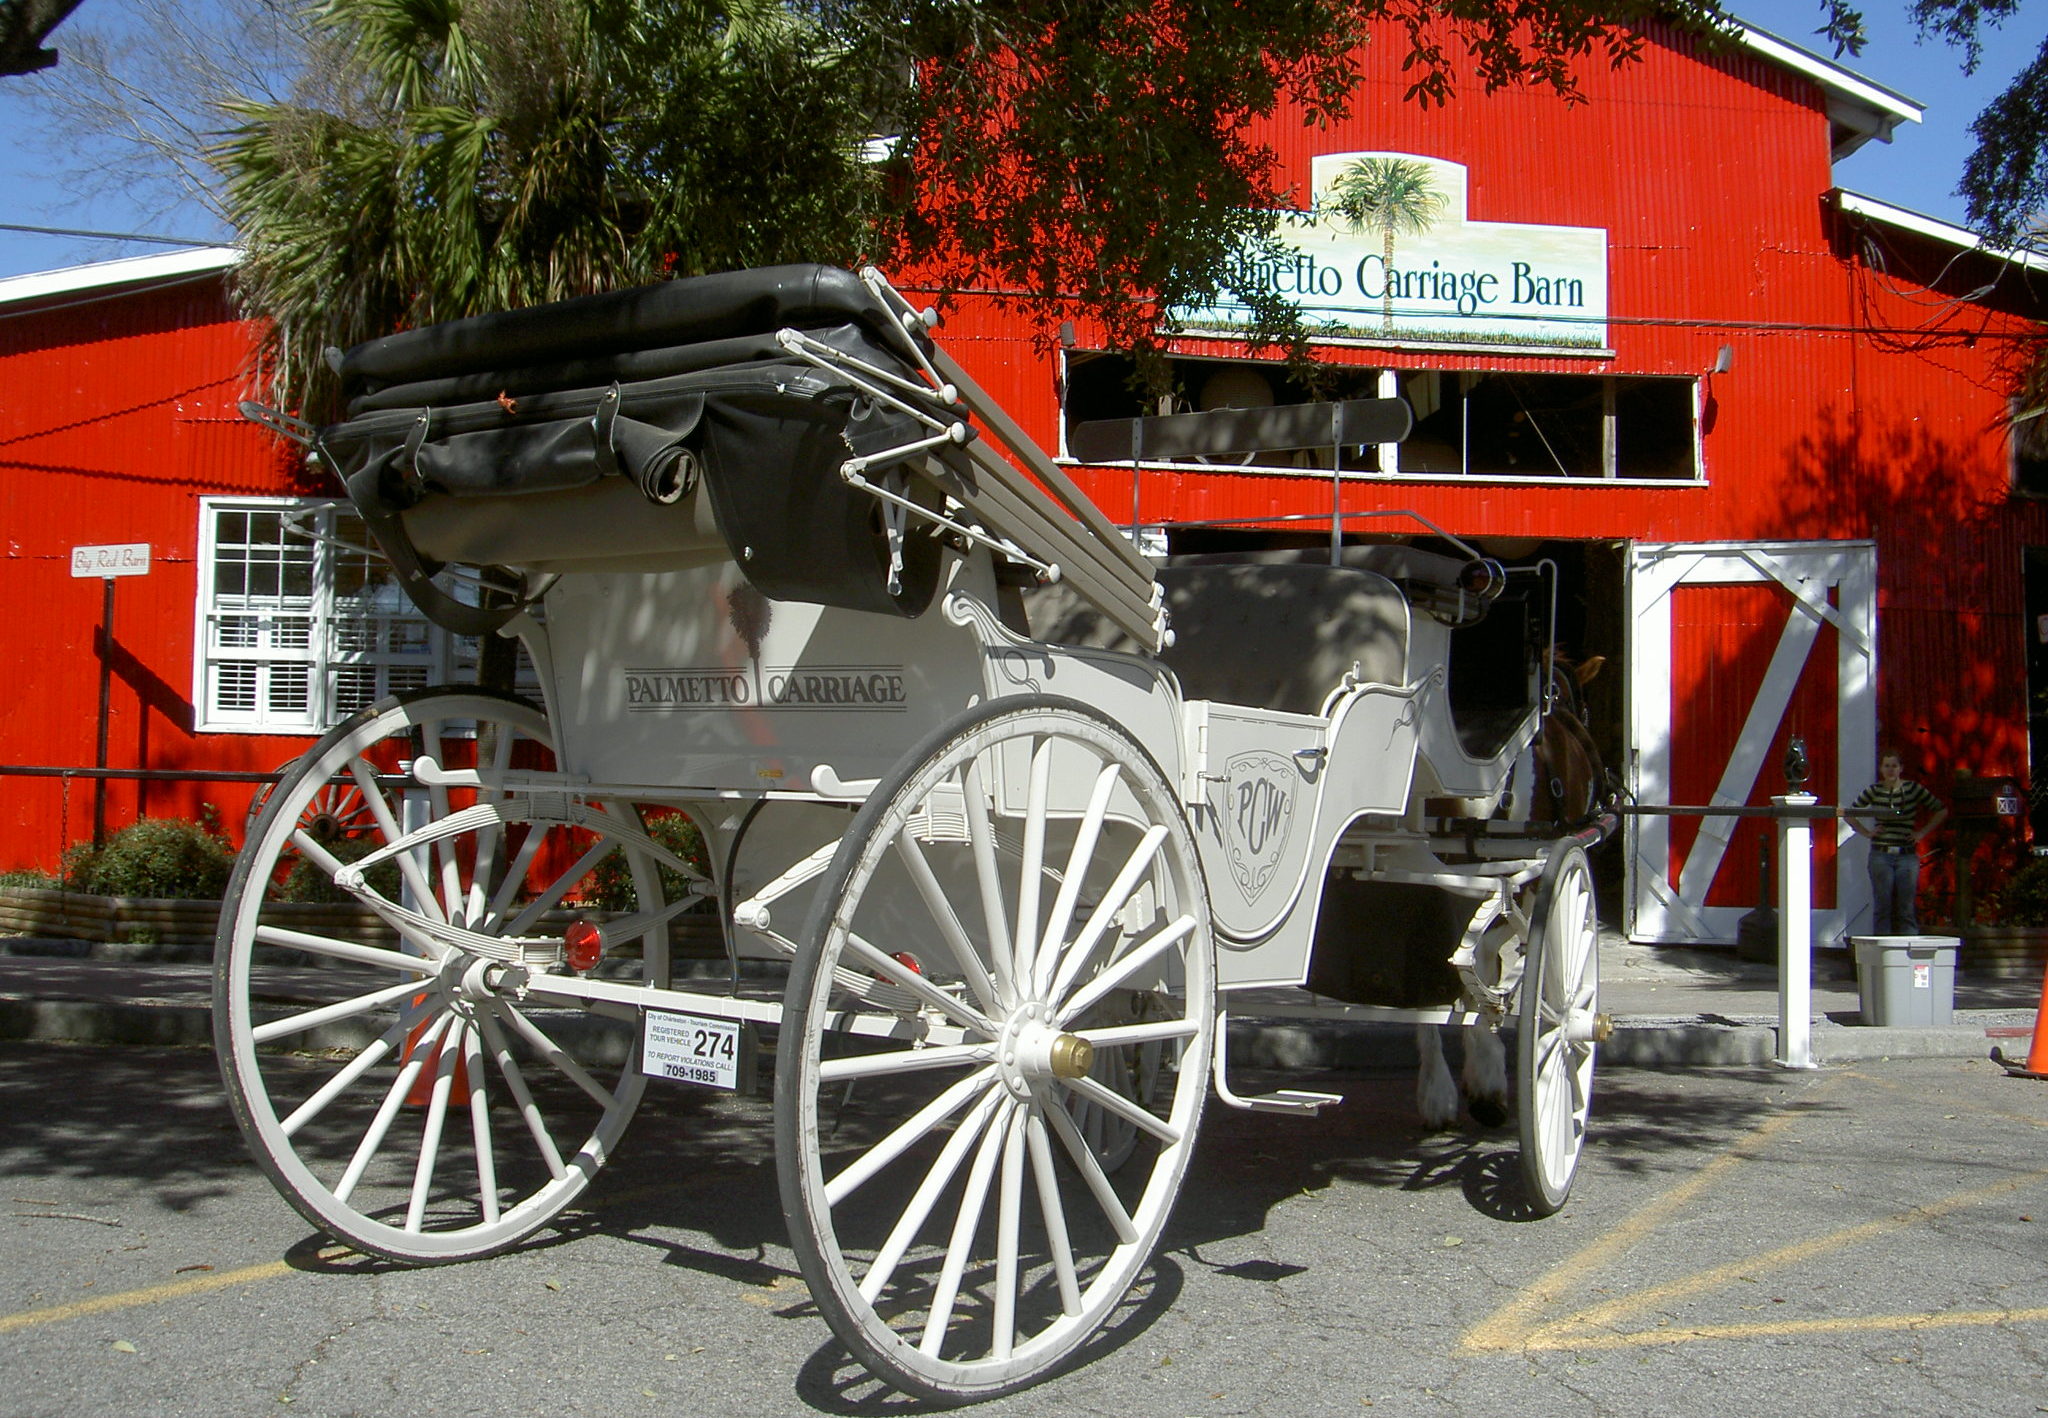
[(1568, 789)]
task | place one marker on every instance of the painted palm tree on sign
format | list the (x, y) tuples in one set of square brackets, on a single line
[(1392, 196)]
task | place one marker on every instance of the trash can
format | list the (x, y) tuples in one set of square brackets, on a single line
[(1906, 981)]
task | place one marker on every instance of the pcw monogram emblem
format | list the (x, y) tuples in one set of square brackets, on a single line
[(1259, 811)]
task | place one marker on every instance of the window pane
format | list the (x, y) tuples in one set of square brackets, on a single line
[(354, 688), (290, 689), (234, 688)]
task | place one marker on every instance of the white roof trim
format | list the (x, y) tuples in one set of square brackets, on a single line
[(1868, 110), (102, 275), (1939, 230)]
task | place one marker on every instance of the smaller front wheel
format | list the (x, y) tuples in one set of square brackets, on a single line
[(1559, 1025), (396, 1094)]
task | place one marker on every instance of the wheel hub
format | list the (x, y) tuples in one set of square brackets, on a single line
[(1033, 1049)]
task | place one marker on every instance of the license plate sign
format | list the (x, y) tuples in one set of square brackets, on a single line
[(691, 1048)]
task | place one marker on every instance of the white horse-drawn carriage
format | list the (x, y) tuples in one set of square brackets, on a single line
[(989, 866)]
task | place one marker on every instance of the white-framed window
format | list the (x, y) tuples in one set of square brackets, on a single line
[(298, 625)]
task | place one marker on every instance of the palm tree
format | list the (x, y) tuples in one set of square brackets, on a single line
[(1391, 196), (450, 157)]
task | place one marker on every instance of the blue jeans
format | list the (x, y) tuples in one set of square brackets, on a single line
[(1894, 881)]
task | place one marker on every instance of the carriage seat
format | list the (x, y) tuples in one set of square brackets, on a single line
[(1276, 634)]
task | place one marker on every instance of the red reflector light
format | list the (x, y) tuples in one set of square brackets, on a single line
[(909, 962), (582, 944)]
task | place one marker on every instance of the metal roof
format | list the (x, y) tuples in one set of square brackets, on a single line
[(111, 275), (1878, 210), (1859, 109)]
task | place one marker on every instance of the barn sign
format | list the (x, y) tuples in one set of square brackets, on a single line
[(119, 559), (1385, 252)]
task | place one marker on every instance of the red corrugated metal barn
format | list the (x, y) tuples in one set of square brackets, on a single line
[(1758, 424)]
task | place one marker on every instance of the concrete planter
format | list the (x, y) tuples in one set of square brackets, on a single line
[(2004, 952)]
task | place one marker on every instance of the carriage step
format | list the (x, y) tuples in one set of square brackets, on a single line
[(1285, 1100)]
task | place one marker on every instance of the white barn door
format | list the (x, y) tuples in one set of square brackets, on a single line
[(1734, 648)]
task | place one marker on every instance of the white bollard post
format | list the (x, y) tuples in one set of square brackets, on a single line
[(1795, 934)]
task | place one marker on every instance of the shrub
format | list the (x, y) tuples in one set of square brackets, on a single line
[(155, 857), (2023, 900), (610, 887), (32, 879), (309, 882)]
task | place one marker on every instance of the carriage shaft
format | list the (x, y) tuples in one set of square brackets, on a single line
[(577, 988)]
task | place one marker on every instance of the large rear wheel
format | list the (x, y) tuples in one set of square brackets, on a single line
[(995, 1050)]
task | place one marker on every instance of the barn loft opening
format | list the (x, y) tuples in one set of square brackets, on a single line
[(1478, 423)]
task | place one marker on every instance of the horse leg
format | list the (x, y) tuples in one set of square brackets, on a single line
[(1436, 1092), (1486, 1075)]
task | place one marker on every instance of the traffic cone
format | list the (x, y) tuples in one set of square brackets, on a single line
[(421, 1093), (2036, 1065)]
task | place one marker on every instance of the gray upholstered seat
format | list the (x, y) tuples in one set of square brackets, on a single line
[(1279, 636)]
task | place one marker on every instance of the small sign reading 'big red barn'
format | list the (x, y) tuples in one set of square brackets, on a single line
[(123, 559)]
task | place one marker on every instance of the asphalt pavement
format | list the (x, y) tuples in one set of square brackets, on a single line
[(1855, 1240)]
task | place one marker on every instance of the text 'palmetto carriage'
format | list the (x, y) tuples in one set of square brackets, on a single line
[(993, 812)]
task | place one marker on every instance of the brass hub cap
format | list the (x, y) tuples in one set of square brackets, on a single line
[(1032, 1049)]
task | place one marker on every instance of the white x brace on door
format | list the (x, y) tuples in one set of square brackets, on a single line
[(1825, 584)]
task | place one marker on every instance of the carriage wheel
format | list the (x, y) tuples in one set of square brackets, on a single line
[(398, 1097), (962, 1210), (1559, 1026)]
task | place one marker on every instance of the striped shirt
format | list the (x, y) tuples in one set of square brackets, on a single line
[(1899, 807)]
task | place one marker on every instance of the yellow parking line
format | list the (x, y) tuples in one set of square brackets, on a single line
[(1511, 1325), (1516, 1326), (1603, 1315), (1841, 1324), (197, 1285)]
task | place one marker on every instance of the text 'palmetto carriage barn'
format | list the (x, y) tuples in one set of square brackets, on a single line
[(1757, 423)]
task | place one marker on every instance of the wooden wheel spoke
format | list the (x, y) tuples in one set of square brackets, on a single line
[(906, 1135), (1111, 1101), (554, 1053), (515, 1081), (947, 919), (356, 1067), (1082, 952), (1078, 858), (327, 1014), (480, 1126), (1053, 1211), (1030, 870), (897, 973), (1009, 1215), (380, 1125), (919, 1207), (1125, 966), (345, 950), (1083, 1158), (1117, 1036), (447, 1054), (553, 893), (966, 1222), (514, 879), (387, 823), (981, 837)]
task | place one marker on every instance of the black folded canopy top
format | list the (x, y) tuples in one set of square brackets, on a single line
[(692, 311)]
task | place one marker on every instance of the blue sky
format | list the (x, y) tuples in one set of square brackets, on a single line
[(1917, 170)]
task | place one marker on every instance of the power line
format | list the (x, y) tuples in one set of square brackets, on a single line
[(107, 235)]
